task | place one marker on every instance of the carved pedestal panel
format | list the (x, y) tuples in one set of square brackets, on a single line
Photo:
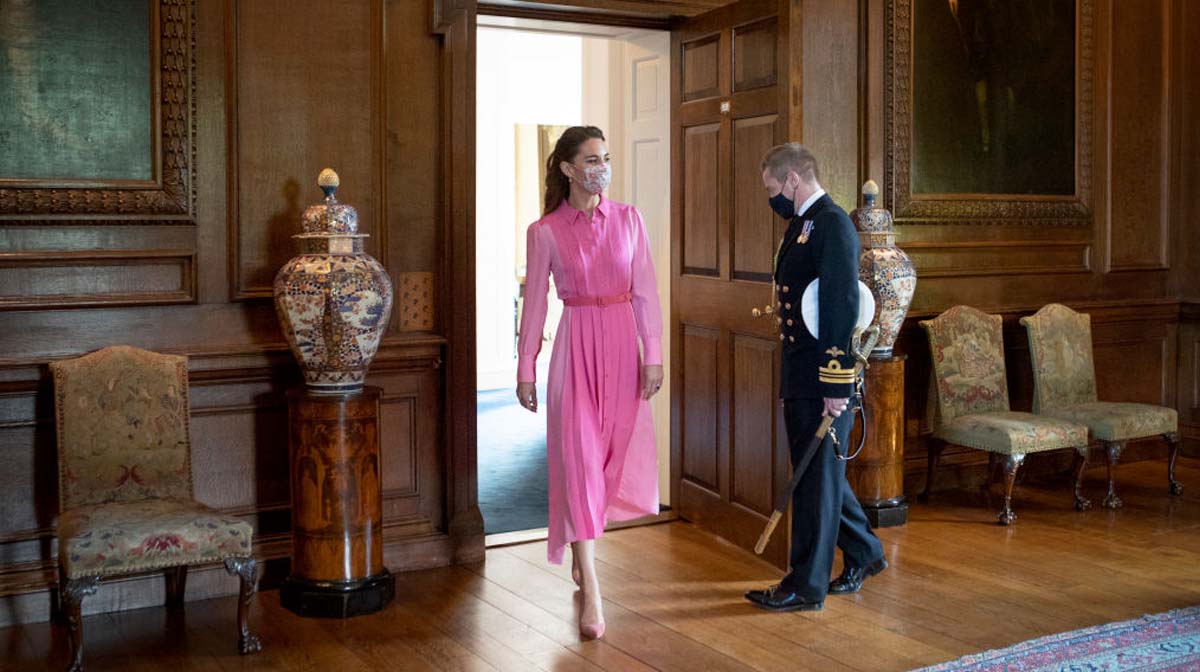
[(337, 543), (877, 474)]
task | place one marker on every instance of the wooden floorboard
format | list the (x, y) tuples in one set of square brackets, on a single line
[(958, 584)]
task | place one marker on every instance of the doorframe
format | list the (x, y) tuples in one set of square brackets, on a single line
[(455, 21)]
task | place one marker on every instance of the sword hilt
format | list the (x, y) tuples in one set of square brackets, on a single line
[(863, 342)]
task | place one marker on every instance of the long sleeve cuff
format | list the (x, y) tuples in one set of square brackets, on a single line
[(836, 378), (527, 370), (836, 390), (652, 351)]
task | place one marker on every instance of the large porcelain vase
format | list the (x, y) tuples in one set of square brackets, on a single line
[(333, 300), (884, 268)]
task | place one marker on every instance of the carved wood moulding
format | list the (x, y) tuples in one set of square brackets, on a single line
[(169, 195)]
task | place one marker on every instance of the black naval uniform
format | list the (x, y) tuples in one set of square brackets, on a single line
[(820, 243)]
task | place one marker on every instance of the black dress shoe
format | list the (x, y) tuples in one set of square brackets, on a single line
[(852, 578), (779, 598)]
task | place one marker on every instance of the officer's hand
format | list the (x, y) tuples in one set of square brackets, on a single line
[(835, 407), (652, 379), (527, 395)]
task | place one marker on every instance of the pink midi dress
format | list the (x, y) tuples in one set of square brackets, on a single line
[(600, 450)]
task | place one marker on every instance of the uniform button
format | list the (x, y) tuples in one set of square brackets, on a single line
[(790, 322), (781, 337), (792, 339), (788, 306), (785, 289)]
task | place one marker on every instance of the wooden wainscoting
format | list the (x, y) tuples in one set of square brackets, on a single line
[(239, 463), (1189, 377), (1134, 346)]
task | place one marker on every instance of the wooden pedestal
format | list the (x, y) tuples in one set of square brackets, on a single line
[(337, 510), (877, 474)]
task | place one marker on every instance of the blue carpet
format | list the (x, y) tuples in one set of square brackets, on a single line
[(512, 462)]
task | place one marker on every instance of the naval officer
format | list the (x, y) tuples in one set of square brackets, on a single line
[(817, 379)]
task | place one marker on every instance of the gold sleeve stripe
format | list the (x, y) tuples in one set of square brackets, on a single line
[(835, 381), (840, 376)]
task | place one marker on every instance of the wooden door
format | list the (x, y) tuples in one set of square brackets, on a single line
[(729, 81)]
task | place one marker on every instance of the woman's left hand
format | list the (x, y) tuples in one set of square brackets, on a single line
[(652, 380)]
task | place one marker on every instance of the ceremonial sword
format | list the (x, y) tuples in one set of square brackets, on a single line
[(865, 341)]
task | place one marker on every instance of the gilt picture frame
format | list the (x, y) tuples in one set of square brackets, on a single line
[(146, 175)]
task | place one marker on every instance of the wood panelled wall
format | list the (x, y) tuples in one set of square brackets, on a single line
[(280, 91), (382, 90), (1128, 264), (1185, 249)]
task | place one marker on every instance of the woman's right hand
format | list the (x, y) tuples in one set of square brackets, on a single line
[(527, 395)]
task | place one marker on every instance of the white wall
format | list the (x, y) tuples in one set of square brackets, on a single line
[(526, 78)]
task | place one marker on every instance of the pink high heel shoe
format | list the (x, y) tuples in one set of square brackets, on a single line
[(592, 630)]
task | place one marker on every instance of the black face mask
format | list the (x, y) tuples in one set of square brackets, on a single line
[(783, 206)]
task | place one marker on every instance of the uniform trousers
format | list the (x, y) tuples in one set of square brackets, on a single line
[(825, 513)]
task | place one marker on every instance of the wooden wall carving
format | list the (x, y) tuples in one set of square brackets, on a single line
[(415, 301), (169, 195)]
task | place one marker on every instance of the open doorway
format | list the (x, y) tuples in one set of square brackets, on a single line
[(533, 79)]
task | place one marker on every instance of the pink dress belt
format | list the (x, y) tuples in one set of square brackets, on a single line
[(578, 301)]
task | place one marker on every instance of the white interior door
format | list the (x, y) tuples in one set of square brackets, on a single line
[(643, 69)]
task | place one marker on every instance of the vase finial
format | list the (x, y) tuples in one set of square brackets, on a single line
[(328, 181), (870, 191)]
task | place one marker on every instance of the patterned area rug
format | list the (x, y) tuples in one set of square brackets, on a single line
[(1158, 643)]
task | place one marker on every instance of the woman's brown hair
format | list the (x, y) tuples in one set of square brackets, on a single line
[(558, 187)]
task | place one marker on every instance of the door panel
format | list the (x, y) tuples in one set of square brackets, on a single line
[(729, 106), (753, 444), (753, 229), (699, 421), (700, 209), (700, 72), (754, 49)]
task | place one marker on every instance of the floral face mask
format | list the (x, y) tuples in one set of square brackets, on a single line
[(597, 178)]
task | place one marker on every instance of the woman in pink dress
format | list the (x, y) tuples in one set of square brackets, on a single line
[(600, 449)]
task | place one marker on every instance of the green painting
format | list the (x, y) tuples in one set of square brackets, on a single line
[(76, 88)]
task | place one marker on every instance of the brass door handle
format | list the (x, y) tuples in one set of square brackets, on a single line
[(763, 312)]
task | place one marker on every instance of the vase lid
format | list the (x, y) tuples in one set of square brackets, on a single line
[(329, 218), (870, 217)]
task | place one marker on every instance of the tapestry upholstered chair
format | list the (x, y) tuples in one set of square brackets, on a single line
[(125, 484), (1064, 384), (967, 349)]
